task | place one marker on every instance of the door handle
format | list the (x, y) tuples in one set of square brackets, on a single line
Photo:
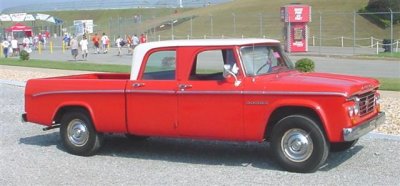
[(182, 87), (137, 85)]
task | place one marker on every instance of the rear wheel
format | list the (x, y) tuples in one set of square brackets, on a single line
[(342, 146), (78, 135), (298, 144)]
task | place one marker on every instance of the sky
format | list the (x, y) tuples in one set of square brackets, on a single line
[(15, 3), (11, 3)]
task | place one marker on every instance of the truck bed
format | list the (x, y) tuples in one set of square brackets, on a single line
[(101, 94)]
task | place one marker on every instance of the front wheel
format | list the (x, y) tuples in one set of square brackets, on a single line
[(78, 135), (298, 144)]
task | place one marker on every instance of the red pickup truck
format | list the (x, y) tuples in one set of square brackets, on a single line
[(227, 89)]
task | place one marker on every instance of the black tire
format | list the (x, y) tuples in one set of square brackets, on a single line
[(78, 135), (298, 144), (342, 146), (135, 137)]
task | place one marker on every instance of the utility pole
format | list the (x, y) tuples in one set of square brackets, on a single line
[(391, 30), (180, 4)]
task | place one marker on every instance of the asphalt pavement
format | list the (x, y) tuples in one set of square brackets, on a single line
[(332, 60), (29, 156)]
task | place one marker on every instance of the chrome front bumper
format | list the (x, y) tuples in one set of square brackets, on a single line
[(350, 134)]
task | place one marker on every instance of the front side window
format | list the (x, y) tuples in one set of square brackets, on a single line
[(160, 65), (259, 60)]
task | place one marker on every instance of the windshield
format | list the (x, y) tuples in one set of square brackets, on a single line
[(260, 60)]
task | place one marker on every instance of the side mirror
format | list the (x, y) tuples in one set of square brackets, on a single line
[(231, 72)]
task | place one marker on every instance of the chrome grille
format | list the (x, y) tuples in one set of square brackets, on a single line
[(367, 103)]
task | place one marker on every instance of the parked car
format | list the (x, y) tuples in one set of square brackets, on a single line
[(226, 89)]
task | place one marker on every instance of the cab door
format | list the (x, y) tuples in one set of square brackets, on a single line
[(210, 106), (152, 100)]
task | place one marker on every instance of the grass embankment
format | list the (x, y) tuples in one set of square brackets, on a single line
[(390, 55), (381, 55), (66, 65), (391, 84)]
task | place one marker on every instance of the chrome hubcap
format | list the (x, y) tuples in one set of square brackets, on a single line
[(297, 145), (77, 132)]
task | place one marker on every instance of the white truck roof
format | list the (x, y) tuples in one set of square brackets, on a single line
[(141, 50)]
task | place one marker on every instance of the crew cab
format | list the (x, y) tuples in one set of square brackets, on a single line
[(224, 89)]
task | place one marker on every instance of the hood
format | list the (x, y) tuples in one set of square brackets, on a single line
[(319, 82)]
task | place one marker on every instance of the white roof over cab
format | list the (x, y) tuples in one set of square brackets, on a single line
[(141, 50)]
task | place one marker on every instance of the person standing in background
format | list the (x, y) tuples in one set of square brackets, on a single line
[(129, 43), (66, 40), (44, 41), (74, 47), (25, 44), (14, 46), (104, 41), (118, 42), (36, 42), (5, 44), (96, 44), (143, 38), (135, 41), (84, 46)]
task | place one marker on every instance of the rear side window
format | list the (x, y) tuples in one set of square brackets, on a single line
[(160, 65), (209, 65)]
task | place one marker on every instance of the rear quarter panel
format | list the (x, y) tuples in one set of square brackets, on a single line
[(103, 98)]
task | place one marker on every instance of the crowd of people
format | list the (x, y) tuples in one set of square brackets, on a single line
[(101, 44), (11, 45), (78, 45)]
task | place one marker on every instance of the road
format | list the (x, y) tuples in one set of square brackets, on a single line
[(332, 64), (351, 66), (29, 156)]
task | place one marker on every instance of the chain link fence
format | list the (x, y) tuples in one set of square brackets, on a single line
[(348, 30), (327, 29)]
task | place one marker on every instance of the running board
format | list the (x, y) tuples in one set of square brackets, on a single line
[(52, 127)]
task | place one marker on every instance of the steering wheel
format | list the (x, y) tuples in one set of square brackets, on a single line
[(268, 63)]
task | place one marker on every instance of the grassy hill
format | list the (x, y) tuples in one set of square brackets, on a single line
[(247, 18), (337, 20)]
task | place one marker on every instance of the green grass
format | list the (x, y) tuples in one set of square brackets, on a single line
[(337, 21), (66, 65), (388, 54), (392, 84)]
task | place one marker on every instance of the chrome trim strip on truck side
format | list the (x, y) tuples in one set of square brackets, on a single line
[(209, 92), (350, 134), (191, 92), (79, 92), (265, 93), (295, 93)]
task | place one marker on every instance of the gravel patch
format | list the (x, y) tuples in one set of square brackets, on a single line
[(30, 156), (390, 100)]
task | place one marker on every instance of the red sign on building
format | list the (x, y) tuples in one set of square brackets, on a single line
[(296, 18)]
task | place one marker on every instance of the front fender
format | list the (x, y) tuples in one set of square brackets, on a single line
[(300, 103)]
